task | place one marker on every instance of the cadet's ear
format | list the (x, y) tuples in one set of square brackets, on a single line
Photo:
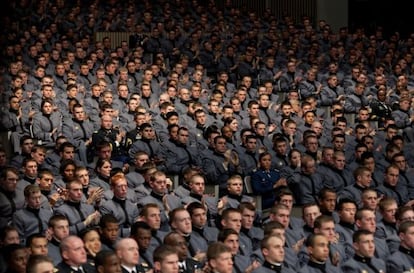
[(265, 251), (157, 267)]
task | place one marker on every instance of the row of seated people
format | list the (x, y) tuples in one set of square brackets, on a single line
[(350, 237)]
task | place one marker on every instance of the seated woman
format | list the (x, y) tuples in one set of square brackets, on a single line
[(265, 180)]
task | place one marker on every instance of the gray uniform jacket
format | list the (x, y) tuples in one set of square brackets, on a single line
[(353, 192), (353, 103), (200, 238), (77, 132), (360, 264), (76, 214), (134, 179), (10, 202), (43, 126), (179, 156), (400, 261), (308, 88), (399, 192), (338, 179), (330, 94), (124, 211), (305, 187), (54, 251), (29, 221), (151, 147), (172, 201)]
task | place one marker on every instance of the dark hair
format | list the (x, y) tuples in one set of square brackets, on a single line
[(225, 233), (357, 235), (106, 219), (101, 256), (9, 250)]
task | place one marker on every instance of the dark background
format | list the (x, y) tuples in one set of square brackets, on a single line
[(393, 15)]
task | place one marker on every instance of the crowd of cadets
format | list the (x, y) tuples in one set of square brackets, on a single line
[(301, 115)]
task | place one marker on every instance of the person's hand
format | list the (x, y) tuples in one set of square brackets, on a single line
[(221, 204), (335, 259), (298, 245), (165, 202), (95, 195), (255, 264), (92, 218), (281, 182), (200, 256), (169, 183)]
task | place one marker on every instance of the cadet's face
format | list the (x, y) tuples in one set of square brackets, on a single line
[(83, 177), (120, 188), (275, 252), (347, 213), (370, 200), (389, 213), (282, 216), (39, 246), (407, 238), (320, 249), (365, 247), (223, 263), (143, 238), (232, 241), (10, 182), (248, 218), (197, 185), (18, 261), (168, 265), (182, 222), (233, 221), (391, 176), (12, 237), (367, 221), (310, 214), (75, 192), (153, 218), (33, 201), (327, 229), (235, 187), (112, 264), (329, 201), (265, 162), (110, 232), (199, 218)]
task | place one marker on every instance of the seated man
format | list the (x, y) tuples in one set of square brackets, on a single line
[(318, 248), (120, 206), (402, 260), (272, 248), (219, 258), (73, 254), (364, 260), (127, 252), (80, 215)]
